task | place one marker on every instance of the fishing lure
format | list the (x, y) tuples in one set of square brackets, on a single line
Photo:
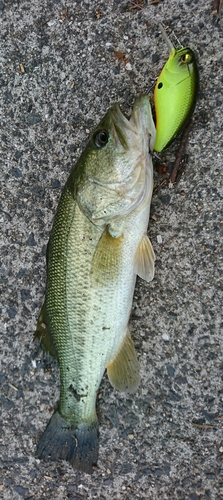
[(175, 93)]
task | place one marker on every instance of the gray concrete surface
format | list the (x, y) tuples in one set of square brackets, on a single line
[(61, 67)]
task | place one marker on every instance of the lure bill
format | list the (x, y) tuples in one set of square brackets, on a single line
[(97, 246), (175, 94)]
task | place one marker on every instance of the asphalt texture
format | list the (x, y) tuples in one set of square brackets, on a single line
[(62, 65)]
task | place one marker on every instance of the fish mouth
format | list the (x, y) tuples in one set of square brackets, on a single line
[(122, 128), (141, 122), (135, 133)]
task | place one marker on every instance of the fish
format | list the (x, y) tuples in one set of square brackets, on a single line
[(97, 246), (175, 93)]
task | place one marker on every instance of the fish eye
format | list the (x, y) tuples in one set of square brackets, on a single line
[(186, 58), (101, 138)]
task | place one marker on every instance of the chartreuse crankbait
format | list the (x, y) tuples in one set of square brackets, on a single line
[(175, 93)]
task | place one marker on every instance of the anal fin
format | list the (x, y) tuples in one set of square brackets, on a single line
[(144, 259), (42, 334), (123, 370)]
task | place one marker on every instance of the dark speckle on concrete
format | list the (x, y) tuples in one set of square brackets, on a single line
[(6, 403), (33, 119), (165, 198), (170, 370), (31, 240), (16, 172), (210, 416), (21, 491), (155, 58), (11, 312), (18, 154), (116, 70), (55, 183), (25, 294)]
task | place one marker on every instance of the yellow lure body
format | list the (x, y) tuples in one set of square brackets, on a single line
[(175, 94)]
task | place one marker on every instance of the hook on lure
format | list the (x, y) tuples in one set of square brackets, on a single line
[(175, 93), (166, 38)]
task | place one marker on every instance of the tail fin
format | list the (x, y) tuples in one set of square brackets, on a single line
[(78, 445)]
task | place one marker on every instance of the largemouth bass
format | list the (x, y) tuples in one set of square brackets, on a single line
[(97, 246)]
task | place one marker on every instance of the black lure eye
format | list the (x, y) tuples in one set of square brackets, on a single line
[(101, 138)]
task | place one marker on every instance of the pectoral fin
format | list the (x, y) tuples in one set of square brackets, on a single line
[(123, 371), (106, 259), (144, 259), (42, 334)]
